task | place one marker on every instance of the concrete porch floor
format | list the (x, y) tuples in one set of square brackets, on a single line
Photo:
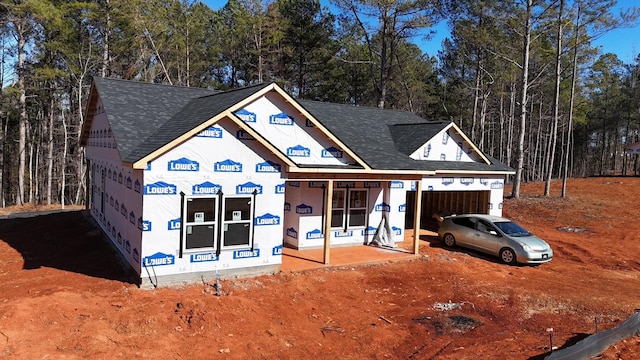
[(298, 260)]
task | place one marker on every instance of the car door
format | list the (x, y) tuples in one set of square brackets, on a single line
[(465, 230), (486, 237)]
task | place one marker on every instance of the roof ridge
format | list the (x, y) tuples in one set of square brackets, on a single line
[(149, 83), (220, 92), (356, 106)]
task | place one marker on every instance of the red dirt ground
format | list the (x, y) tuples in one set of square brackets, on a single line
[(62, 297)]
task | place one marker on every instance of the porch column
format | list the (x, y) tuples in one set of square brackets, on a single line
[(327, 224), (417, 217)]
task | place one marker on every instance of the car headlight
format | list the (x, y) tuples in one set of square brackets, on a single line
[(525, 246)]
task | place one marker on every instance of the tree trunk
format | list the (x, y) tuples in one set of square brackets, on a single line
[(105, 41), (523, 102), (23, 121), (50, 153), (63, 162), (556, 104)]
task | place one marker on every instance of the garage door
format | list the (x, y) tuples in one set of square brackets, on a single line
[(446, 203)]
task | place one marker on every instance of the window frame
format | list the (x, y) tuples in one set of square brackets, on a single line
[(346, 215), (250, 220), (218, 222), (184, 223)]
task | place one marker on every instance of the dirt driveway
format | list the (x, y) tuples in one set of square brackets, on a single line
[(62, 297)]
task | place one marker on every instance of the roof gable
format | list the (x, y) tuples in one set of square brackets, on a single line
[(192, 117), (128, 105)]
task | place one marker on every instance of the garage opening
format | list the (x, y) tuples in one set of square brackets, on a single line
[(445, 203)]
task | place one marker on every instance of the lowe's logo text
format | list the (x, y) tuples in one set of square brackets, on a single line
[(267, 219), (246, 116), (402, 208), (280, 188), (248, 188), (427, 151), (497, 185), (203, 257), (396, 230), (281, 119), (243, 254), (206, 188), (243, 135), (292, 233), (298, 151), (369, 231), (160, 188), (466, 181), (383, 207), (315, 234), (211, 132), (158, 259), (277, 250), (343, 233), (447, 181), (268, 167), (173, 224), (227, 166), (287, 206), (304, 209), (396, 185), (332, 152), (144, 225)]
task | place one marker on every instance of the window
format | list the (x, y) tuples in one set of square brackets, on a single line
[(200, 223), (237, 222), (465, 221), (206, 229), (351, 212)]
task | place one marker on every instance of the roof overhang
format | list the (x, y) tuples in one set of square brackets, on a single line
[(90, 112)]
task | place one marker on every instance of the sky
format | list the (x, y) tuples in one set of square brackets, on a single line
[(624, 42)]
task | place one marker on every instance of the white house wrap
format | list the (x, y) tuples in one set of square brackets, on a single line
[(191, 182)]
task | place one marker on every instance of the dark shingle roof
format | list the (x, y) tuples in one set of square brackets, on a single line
[(143, 116), (409, 137), (194, 113), (385, 138), (134, 109)]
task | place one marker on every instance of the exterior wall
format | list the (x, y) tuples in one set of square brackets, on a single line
[(213, 160), (447, 145), (304, 225), (494, 184), (120, 190)]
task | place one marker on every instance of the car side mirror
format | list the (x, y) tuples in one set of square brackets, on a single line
[(493, 232)]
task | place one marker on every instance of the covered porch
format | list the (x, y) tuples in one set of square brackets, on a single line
[(300, 260)]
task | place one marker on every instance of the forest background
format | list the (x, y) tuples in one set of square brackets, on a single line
[(522, 78)]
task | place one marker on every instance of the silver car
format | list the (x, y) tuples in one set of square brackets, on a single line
[(496, 236)]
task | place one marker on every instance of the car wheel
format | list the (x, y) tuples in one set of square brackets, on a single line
[(507, 256), (449, 240)]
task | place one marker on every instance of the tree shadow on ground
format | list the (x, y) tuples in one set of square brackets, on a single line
[(66, 241)]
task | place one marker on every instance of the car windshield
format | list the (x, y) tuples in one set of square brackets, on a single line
[(512, 229)]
